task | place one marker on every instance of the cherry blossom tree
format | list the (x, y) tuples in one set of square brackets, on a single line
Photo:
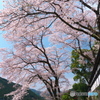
[(77, 16), (31, 62), (68, 20), (26, 22)]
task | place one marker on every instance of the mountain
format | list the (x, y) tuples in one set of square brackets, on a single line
[(6, 88), (36, 92)]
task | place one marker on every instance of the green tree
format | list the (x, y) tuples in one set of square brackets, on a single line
[(81, 67), (66, 96), (82, 70), (80, 87)]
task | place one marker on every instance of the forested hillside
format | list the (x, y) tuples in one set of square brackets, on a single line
[(6, 88)]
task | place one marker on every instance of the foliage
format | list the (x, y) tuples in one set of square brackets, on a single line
[(81, 87), (66, 96), (82, 69)]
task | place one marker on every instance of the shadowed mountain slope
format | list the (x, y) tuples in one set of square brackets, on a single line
[(6, 88)]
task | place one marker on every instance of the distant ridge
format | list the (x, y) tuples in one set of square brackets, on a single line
[(36, 91), (6, 88)]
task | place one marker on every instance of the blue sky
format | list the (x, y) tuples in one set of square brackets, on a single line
[(3, 42), (6, 44)]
